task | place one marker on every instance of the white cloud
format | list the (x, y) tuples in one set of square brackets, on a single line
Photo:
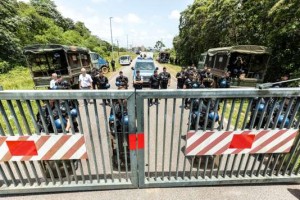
[(133, 18), (26, 1), (175, 14), (118, 19)]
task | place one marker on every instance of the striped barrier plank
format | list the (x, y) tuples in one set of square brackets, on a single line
[(240, 142), (42, 147)]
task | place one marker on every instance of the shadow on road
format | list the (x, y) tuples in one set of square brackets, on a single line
[(295, 192)]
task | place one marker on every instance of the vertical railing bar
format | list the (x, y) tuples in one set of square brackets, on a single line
[(212, 166), (232, 166), (81, 171), (240, 165), (223, 115), (108, 140), (74, 171), (247, 113), (179, 138), (260, 165), (82, 133), (99, 137), (41, 112), (253, 165), (47, 166), (51, 117), (5, 118), (124, 140), (226, 165), (216, 105), (206, 114), (268, 164), (117, 137), (199, 114), (148, 140), (164, 139), (274, 102), (219, 167), (15, 118), (262, 116), (297, 170), (24, 166), (191, 168), (188, 128), (156, 141), (274, 165), (58, 172), (198, 167), (66, 171), (205, 166), (172, 137), (278, 114), (239, 115), (57, 106), (296, 109), (24, 119), (67, 105), (89, 170), (255, 114), (29, 107), (88, 120), (5, 180)]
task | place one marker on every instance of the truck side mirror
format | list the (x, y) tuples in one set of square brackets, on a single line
[(132, 68)]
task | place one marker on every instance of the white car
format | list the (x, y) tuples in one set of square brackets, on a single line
[(125, 60)]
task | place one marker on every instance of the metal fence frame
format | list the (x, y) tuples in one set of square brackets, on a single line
[(136, 113)]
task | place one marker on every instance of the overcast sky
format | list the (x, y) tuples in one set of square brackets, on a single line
[(145, 22)]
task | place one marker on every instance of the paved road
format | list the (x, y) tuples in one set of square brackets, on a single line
[(269, 192)]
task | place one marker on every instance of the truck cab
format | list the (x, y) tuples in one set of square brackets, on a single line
[(99, 63)]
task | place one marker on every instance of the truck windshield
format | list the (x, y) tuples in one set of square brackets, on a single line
[(124, 58), (145, 66)]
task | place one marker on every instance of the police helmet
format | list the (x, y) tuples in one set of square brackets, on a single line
[(107, 85), (280, 120), (125, 120), (118, 84), (223, 84), (63, 108), (261, 107), (74, 112), (195, 85), (213, 115), (58, 123), (111, 118)]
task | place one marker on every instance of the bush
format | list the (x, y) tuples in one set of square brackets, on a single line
[(4, 67)]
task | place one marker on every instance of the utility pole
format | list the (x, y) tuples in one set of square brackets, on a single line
[(112, 44), (127, 42)]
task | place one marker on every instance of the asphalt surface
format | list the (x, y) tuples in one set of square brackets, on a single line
[(164, 156)]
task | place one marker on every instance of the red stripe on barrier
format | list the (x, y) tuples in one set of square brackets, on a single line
[(22, 148), (136, 141)]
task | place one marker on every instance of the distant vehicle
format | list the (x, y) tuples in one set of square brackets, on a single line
[(146, 55), (202, 59), (99, 62), (125, 60), (163, 57), (66, 61), (146, 67), (247, 64)]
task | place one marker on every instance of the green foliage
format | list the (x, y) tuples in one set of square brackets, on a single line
[(159, 45), (4, 67), (39, 21), (208, 24)]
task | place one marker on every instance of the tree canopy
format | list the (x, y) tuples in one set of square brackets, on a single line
[(273, 23), (36, 22)]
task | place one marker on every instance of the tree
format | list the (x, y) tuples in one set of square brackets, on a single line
[(159, 45)]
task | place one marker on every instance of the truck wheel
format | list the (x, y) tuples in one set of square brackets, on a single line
[(104, 70)]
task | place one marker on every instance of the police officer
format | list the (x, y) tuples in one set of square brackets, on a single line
[(138, 81), (154, 84), (188, 84), (102, 84), (180, 78), (113, 64), (208, 80), (122, 81), (224, 81), (165, 79)]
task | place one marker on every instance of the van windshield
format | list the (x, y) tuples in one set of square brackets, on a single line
[(145, 66), (124, 58)]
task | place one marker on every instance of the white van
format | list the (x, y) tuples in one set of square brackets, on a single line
[(125, 60)]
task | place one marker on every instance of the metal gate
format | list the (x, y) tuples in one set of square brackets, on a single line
[(21, 119), (206, 144), (187, 138)]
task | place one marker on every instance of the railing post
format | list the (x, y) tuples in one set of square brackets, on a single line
[(132, 138)]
